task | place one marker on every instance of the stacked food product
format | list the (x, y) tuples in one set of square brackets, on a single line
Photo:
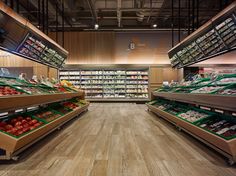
[(19, 125), (203, 83), (184, 89), (6, 90), (47, 115), (193, 115), (220, 126), (175, 109), (31, 90), (61, 89), (207, 89), (226, 81), (228, 91), (163, 105), (10, 81), (69, 105), (60, 108)]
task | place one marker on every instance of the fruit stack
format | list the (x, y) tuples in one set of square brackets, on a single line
[(229, 91), (69, 105), (31, 90), (175, 109), (47, 115), (10, 81), (19, 125), (61, 89), (226, 81), (162, 106), (220, 126), (208, 89), (6, 90), (61, 109), (193, 115)]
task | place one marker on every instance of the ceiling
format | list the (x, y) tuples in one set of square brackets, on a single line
[(76, 15)]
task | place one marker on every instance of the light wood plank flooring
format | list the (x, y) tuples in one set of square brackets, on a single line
[(118, 139)]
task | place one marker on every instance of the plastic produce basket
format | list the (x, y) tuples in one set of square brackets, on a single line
[(187, 89), (57, 107), (218, 117), (10, 81), (229, 77), (13, 87), (45, 120), (24, 115), (226, 90), (175, 108), (200, 90), (30, 89), (208, 113)]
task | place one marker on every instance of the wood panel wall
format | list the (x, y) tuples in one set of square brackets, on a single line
[(159, 74), (88, 47), (112, 47), (11, 60)]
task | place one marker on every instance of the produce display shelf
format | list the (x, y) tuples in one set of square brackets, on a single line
[(118, 99), (224, 102), (12, 102), (225, 147), (13, 146)]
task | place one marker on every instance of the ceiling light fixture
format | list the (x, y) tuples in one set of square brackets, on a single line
[(154, 25), (96, 26)]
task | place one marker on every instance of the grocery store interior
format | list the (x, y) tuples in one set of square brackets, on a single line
[(117, 87)]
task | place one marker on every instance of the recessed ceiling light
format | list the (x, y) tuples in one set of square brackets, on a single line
[(96, 26), (154, 25)]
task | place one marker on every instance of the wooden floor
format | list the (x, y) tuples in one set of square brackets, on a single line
[(118, 139)]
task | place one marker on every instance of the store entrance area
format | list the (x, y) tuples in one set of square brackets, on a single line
[(118, 139)]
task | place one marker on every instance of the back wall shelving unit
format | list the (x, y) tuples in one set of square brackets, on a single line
[(110, 83)]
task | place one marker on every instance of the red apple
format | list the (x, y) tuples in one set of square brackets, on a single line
[(19, 127), (37, 125), (2, 128), (34, 121), (20, 118), (13, 121), (25, 129), (8, 127), (28, 118), (24, 121), (14, 130), (2, 124), (19, 132), (26, 125), (32, 127), (18, 123), (8, 131)]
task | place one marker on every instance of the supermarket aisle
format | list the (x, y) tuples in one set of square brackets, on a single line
[(119, 139)]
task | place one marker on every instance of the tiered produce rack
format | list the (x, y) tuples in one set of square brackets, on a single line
[(11, 145), (220, 105)]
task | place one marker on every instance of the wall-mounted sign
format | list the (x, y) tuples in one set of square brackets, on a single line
[(131, 45)]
